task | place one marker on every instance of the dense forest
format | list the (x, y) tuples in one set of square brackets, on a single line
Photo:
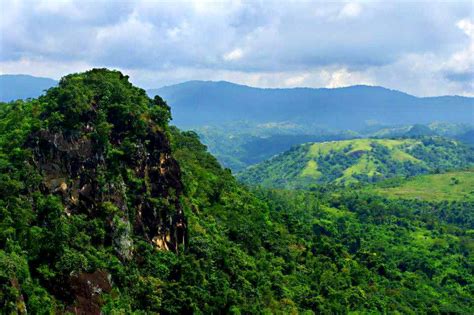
[(105, 207)]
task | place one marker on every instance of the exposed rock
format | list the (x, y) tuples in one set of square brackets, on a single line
[(87, 289), (122, 238), (71, 165), (20, 301)]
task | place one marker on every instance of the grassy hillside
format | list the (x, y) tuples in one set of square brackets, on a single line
[(457, 185), (249, 144), (240, 144), (360, 160)]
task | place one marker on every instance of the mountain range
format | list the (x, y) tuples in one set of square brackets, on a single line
[(198, 103), (22, 86)]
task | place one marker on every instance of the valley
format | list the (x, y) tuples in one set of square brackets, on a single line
[(240, 137)]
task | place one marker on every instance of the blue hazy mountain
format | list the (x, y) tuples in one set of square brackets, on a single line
[(197, 103), (467, 137), (21, 86)]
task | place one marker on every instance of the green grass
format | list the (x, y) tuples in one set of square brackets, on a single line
[(311, 170), (323, 148), (457, 185), (365, 165), (357, 161), (399, 155)]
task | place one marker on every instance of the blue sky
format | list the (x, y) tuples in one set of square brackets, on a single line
[(423, 48)]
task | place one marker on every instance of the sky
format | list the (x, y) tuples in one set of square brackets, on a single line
[(424, 48)]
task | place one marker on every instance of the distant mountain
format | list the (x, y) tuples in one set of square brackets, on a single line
[(196, 103), (418, 130), (359, 160), (467, 137), (21, 86)]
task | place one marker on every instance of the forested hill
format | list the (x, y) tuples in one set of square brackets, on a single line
[(197, 103), (105, 209), (360, 160)]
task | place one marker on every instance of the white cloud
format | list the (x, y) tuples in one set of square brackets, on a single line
[(43, 68), (57, 7), (296, 80), (463, 60), (267, 44), (467, 26), (343, 77), (350, 10), (234, 54)]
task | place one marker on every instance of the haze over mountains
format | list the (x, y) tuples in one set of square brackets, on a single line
[(197, 103), (22, 86)]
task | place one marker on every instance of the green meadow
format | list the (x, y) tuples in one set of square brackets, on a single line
[(456, 185)]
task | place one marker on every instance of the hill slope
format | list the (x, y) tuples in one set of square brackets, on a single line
[(240, 150), (14, 87), (359, 160), (197, 103), (455, 185)]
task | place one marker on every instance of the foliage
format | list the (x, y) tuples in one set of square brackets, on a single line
[(241, 144), (357, 161)]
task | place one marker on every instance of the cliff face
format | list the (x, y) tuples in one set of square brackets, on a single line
[(102, 150), (73, 167)]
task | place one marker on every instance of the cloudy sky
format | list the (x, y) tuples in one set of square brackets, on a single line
[(423, 48)]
